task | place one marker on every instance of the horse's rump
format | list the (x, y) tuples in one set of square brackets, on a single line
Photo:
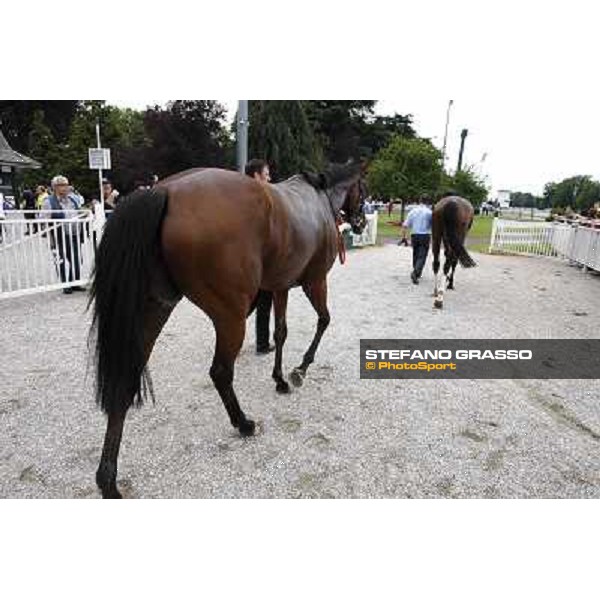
[(214, 232), (452, 218)]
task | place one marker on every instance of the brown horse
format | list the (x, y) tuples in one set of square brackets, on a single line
[(451, 220), (216, 237)]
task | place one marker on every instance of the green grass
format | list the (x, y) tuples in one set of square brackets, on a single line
[(478, 239), (482, 227), (479, 236), (387, 227)]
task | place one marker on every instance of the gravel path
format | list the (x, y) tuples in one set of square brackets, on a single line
[(337, 436)]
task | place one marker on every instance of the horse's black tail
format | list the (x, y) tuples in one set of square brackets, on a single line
[(451, 237), (126, 255)]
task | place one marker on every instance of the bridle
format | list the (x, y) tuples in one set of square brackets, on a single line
[(338, 220)]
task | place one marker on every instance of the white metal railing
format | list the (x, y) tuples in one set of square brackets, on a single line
[(44, 254), (578, 244)]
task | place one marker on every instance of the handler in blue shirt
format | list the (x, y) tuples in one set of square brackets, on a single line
[(419, 222)]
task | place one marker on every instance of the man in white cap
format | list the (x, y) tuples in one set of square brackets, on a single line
[(66, 237)]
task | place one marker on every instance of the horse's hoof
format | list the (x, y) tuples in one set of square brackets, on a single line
[(247, 428), (111, 494), (438, 303), (282, 387), (297, 377)]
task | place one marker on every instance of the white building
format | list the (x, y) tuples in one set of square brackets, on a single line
[(503, 198)]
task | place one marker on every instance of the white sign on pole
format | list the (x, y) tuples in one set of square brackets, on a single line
[(99, 158)]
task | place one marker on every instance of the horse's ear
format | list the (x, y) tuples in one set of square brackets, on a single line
[(317, 180), (311, 178)]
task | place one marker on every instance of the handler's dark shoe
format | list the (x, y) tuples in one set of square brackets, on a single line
[(265, 349), (414, 278), (78, 288), (67, 291)]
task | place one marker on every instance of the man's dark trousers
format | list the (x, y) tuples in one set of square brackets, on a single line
[(263, 318), (420, 245)]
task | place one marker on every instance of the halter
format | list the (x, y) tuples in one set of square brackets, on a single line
[(340, 238)]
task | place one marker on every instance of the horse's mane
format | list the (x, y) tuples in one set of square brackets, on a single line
[(331, 176)]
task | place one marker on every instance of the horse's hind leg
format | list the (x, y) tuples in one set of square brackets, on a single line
[(438, 294), (450, 276), (230, 336), (448, 262), (280, 335), (155, 317), (316, 292)]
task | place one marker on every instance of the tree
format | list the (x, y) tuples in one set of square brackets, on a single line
[(43, 148), (465, 183), (185, 134), (406, 168), (82, 136), (524, 199), (579, 192), (588, 195), (281, 134), (339, 125), (17, 117), (376, 133)]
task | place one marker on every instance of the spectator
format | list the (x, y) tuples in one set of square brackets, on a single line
[(390, 208), (259, 170), (28, 205), (368, 206), (419, 221), (111, 196), (40, 196), (66, 237)]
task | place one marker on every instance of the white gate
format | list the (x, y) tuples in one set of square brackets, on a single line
[(578, 244), (38, 255), (369, 235)]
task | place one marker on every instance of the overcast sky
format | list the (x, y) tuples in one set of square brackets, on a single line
[(523, 76), (527, 139)]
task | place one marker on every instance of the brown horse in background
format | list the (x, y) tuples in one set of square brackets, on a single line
[(451, 220), (216, 237)]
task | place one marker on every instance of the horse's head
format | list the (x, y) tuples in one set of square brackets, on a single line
[(345, 189), (352, 208)]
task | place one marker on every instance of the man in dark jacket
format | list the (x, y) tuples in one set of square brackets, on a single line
[(259, 170)]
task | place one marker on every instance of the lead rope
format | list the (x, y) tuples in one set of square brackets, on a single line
[(341, 242), (340, 238)]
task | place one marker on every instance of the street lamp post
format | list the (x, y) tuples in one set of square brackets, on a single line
[(463, 136), (450, 103)]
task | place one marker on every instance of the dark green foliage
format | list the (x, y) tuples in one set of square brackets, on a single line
[(17, 118), (158, 141), (525, 200), (465, 183), (338, 126), (405, 169), (42, 147), (186, 134), (280, 133), (580, 193)]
